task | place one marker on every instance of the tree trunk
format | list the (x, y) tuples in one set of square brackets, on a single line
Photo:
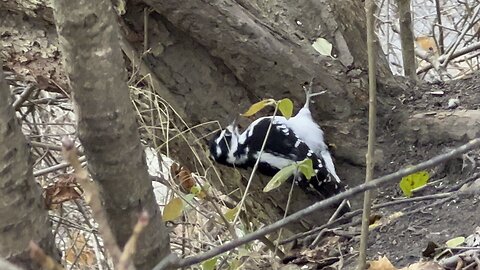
[(218, 58), (407, 39), (23, 215), (215, 58), (106, 123)]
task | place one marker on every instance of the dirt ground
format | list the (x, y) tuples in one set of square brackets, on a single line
[(436, 220)]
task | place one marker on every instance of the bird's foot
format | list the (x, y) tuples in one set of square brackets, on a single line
[(308, 93)]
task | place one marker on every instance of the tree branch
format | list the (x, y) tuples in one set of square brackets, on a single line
[(442, 58), (372, 117), (457, 42), (406, 38)]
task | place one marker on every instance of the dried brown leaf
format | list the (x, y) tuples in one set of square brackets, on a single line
[(64, 189), (383, 263)]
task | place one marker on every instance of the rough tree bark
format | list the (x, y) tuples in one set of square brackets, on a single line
[(24, 217), (407, 39), (217, 57), (107, 128)]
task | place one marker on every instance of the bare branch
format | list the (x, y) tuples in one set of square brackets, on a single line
[(441, 39), (442, 58), (372, 108), (92, 197), (131, 245), (320, 205), (406, 38), (55, 168), (37, 254), (457, 42), (23, 96)]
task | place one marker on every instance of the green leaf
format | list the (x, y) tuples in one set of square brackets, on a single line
[(195, 189), (306, 167), (257, 107), (323, 47), (189, 197), (413, 181), (286, 107), (455, 242), (173, 209), (209, 264), (280, 177), (231, 213), (198, 192)]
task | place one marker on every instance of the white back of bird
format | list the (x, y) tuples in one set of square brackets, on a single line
[(310, 132)]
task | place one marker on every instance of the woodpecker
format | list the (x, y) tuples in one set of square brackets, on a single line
[(286, 144), (309, 131)]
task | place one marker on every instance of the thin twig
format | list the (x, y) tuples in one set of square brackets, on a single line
[(332, 218), (252, 174), (23, 96), (440, 28), (166, 262), (457, 42), (38, 255), (92, 197), (55, 168), (407, 36), (131, 246), (441, 59), (325, 203)]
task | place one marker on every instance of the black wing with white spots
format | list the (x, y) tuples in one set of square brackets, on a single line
[(282, 148)]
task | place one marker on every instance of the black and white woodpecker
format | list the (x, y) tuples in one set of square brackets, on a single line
[(289, 140)]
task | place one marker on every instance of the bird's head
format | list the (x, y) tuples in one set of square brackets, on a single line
[(223, 141)]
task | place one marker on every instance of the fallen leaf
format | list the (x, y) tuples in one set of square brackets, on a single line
[(65, 189), (323, 47), (385, 220), (427, 43), (231, 213), (413, 181), (455, 242), (173, 209), (382, 263), (183, 177), (80, 252), (209, 264)]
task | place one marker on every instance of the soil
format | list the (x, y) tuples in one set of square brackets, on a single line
[(404, 239)]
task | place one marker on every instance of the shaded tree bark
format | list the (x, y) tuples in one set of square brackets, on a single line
[(106, 123), (23, 215), (407, 39), (214, 58), (218, 58)]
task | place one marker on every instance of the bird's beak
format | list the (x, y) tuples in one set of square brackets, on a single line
[(235, 121), (233, 128)]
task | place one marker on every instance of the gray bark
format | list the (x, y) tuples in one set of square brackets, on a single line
[(88, 35), (23, 215), (215, 58), (407, 39)]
